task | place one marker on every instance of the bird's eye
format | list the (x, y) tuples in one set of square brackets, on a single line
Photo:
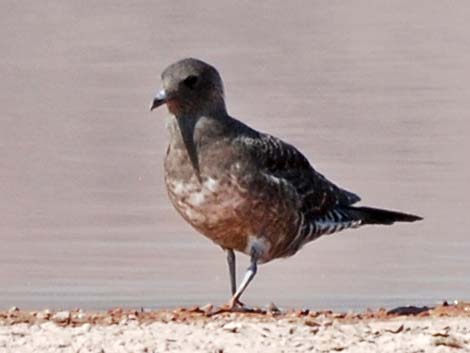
[(190, 81)]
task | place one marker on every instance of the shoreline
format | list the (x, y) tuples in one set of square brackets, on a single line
[(113, 316), (443, 328)]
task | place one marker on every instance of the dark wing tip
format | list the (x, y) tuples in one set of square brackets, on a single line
[(414, 218), (370, 215)]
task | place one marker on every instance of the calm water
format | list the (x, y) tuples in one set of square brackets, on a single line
[(375, 93)]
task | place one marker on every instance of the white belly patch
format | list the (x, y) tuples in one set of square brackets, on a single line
[(206, 203)]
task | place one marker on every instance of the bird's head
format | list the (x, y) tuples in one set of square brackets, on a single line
[(191, 87)]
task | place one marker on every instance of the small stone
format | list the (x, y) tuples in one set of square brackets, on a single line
[(301, 312), (424, 313), (451, 342), (80, 315), (13, 309), (311, 323), (397, 330), (108, 320), (193, 309), (339, 315), (207, 309), (273, 309), (407, 310), (232, 327), (313, 313), (61, 316), (44, 314), (115, 311)]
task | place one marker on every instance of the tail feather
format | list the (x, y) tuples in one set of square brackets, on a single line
[(370, 215)]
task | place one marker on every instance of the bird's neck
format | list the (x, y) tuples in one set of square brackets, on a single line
[(193, 134), (200, 128)]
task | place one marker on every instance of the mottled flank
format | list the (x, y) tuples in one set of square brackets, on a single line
[(245, 190)]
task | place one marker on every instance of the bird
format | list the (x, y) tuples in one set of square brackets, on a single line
[(247, 191)]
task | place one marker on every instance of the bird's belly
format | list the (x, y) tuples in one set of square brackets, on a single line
[(218, 210)]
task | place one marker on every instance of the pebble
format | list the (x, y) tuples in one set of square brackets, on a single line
[(232, 327), (273, 309), (44, 314), (207, 309), (61, 316)]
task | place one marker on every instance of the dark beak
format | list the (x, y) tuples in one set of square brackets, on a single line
[(160, 98)]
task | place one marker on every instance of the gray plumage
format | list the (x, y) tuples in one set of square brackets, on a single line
[(246, 190)]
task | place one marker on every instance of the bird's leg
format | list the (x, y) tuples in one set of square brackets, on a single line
[(249, 275), (232, 270), (233, 274), (235, 304)]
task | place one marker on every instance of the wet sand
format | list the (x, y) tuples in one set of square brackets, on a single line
[(444, 328)]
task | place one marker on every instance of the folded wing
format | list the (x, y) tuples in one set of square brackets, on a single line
[(281, 160)]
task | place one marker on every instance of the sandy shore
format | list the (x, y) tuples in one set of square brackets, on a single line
[(445, 328)]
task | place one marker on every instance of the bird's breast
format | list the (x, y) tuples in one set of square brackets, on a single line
[(214, 206)]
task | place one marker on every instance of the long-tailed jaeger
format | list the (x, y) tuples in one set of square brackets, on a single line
[(245, 190)]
